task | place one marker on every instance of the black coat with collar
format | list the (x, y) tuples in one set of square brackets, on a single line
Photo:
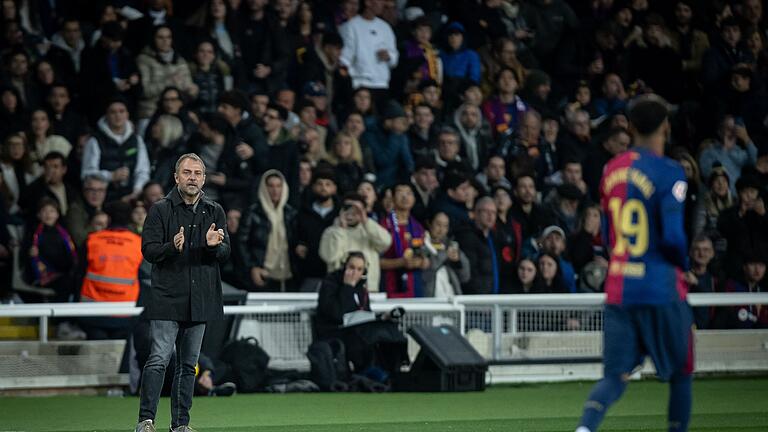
[(186, 285)]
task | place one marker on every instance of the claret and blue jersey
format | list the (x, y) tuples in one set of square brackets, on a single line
[(642, 197)]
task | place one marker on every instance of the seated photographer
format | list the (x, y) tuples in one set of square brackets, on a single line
[(372, 342)]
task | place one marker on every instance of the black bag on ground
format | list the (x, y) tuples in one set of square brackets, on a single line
[(248, 364), (328, 364)]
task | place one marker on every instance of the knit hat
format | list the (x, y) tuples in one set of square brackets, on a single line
[(455, 27), (393, 110), (746, 182), (314, 88), (569, 191), (234, 98), (717, 171), (453, 179)]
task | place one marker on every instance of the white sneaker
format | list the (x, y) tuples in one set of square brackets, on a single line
[(582, 429), (146, 426)]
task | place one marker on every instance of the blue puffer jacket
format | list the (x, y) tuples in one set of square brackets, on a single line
[(464, 63)]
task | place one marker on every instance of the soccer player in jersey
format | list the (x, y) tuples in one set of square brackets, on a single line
[(646, 313)]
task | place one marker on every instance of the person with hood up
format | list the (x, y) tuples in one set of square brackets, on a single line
[(476, 140), (116, 153), (266, 235), (459, 62)]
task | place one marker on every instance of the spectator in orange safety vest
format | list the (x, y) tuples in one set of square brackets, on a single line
[(112, 258)]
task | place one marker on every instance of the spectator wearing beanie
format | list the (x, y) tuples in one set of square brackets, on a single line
[(314, 217), (390, 147), (459, 62), (425, 184), (536, 90)]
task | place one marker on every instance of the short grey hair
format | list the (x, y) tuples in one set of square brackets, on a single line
[(94, 178), (484, 200), (192, 156)]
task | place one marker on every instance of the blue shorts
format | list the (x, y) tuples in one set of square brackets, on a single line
[(663, 332)]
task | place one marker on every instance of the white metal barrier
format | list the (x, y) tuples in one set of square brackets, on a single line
[(504, 328)]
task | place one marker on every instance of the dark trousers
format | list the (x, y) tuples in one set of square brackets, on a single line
[(187, 337)]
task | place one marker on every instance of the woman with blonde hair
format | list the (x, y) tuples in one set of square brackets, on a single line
[(347, 159)]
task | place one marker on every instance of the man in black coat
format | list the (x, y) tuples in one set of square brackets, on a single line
[(252, 147), (491, 250), (185, 240), (314, 218)]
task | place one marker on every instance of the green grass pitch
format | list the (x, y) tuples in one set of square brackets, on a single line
[(719, 405)]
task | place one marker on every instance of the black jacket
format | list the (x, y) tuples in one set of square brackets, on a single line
[(235, 193), (253, 236), (533, 223), (475, 246), (186, 285), (96, 84), (310, 228), (336, 299), (250, 133), (265, 42)]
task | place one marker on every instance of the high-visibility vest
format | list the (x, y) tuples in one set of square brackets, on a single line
[(114, 257)]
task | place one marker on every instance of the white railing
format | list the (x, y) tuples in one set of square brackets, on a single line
[(506, 319)]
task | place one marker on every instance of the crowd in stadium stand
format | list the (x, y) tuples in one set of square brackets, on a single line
[(458, 144)]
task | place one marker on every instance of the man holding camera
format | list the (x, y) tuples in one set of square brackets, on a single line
[(354, 231)]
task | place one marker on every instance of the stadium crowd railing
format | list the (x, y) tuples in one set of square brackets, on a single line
[(507, 329)]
